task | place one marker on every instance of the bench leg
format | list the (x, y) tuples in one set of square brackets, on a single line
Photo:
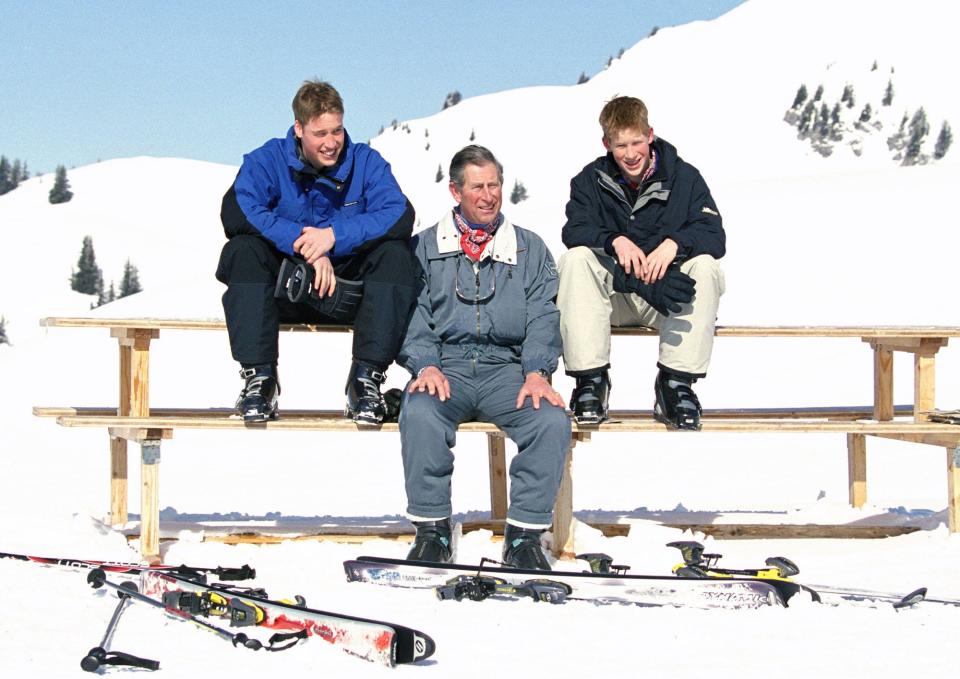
[(496, 449), (150, 500), (563, 510), (882, 384), (118, 481), (924, 385), (953, 489), (857, 468)]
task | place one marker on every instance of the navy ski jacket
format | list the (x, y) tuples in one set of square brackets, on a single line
[(276, 194), (675, 202)]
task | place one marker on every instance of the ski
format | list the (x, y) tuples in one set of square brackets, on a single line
[(697, 564), (601, 588), (244, 572), (373, 640)]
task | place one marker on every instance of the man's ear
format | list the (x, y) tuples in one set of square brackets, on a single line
[(298, 129), (455, 192), (606, 144)]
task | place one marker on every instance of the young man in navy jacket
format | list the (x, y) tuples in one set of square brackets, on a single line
[(644, 236), (316, 195)]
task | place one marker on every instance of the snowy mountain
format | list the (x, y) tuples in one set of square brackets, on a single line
[(848, 238)]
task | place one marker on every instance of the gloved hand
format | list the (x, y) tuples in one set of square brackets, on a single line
[(667, 295), (295, 282)]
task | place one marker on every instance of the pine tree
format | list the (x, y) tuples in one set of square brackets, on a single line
[(818, 94), (888, 94), (130, 283), (473, 135), (583, 78), (807, 118), (874, 67), (3, 331), (944, 139), (60, 193), (919, 127), (87, 278), (800, 98), (847, 97), (519, 192), (439, 177), (822, 126), (453, 98), (5, 180), (111, 294), (866, 114)]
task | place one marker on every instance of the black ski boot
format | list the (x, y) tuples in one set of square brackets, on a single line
[(676, 405), (365, 404), (258, 399), (432, 542), (521, 549), (591, 397)]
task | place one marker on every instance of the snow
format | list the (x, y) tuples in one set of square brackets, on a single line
[(812, 240)]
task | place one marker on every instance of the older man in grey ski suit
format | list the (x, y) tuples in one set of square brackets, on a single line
[(481, 345)]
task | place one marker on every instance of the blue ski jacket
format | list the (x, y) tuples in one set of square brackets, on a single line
[(276, 194)]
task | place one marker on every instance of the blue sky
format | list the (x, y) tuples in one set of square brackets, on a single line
[(210, 80)]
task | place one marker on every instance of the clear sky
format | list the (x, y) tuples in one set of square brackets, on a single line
[(82, 81)]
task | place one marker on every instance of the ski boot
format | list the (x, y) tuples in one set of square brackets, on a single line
[(258, 398), (521, 549), (365, 404), (591, 397), (432, 542), (676, 405)]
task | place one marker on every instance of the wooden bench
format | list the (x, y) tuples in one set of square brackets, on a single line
[(134, 419)]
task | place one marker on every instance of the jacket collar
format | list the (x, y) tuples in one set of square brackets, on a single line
[(503, 247)]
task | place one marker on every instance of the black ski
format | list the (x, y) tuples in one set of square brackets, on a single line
[(244, 572)]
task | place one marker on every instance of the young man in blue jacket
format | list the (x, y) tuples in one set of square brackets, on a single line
[(644, 236), (316, 195), (482, 343)]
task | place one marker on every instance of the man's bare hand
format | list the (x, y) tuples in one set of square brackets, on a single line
[(630, 257), (314, 243), (432, 380), (659, 261), (537, 387), (324, 280)]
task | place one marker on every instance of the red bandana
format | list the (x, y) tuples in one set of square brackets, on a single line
[(473, 241)]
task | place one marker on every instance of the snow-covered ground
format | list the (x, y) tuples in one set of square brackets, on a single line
[(846, 239)]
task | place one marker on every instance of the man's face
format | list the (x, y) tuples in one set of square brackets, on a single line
[(321, 139), (481, 195), (631, 150)]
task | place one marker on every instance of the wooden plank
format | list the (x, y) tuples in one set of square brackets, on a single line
[(646, 424), (948, 440), (793, 531), (857, 469), (118, 481), (882, 384), (820, 412), (563, 509), (924, 385), (150, 501), (953, 488), (496, 450), (882, 331)]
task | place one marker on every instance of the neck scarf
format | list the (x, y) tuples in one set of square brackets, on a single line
[(475, 237)]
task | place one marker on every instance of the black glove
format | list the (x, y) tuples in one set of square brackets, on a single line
[(667, 295), (295, 282)]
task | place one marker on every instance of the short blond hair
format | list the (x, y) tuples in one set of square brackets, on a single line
[(624, 113), (314, 98)]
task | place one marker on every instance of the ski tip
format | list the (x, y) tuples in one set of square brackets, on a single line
[(911, 599)]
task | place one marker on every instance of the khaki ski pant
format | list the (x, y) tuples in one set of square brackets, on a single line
[(589, 306)]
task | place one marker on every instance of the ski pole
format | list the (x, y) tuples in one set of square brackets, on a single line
[(97, 579), (98, 655)]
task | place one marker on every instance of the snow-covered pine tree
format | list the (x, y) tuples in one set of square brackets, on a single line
[(944, 139), (87, 278), (519, 192), (130, 283), (919, 128), (888, 94), (800, 98), (60, 193), (3, 331)]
